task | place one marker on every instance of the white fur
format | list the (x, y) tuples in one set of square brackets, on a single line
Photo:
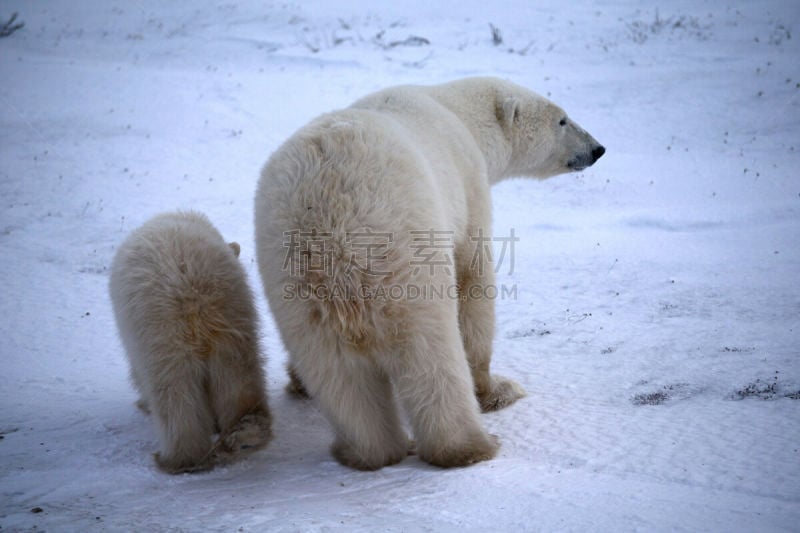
[(402, 160), (187, 321)]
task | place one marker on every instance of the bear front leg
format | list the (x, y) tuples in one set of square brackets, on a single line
[(476, 321)]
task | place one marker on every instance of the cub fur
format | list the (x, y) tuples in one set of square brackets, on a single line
[(186, 317)]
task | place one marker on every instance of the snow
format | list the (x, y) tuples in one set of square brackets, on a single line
[(655, 325)]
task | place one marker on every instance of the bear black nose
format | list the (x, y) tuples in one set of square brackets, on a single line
[(597, 153)]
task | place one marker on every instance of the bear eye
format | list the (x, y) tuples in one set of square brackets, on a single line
[(562, 122)]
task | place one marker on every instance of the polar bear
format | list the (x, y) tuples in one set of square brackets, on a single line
[(186, 317), (343, 212)]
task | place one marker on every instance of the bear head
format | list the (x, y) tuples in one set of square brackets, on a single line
[(544, 141)]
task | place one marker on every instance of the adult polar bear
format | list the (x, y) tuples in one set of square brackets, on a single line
[(396, 163)]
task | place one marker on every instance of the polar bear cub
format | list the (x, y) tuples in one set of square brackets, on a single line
[(186, 317), (364, 208)]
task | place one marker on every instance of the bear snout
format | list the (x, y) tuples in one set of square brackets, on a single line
[(597, 153), (586, 159)]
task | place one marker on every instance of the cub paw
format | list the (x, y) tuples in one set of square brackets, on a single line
[(251, 433)]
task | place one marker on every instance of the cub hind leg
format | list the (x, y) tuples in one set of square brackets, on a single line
[(239, 403), (177, 397)]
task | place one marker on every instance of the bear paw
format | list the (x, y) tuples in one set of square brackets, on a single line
[(349, 456), (184, 465), (141, 403), (295, 386), (503, 393), (477, 448)]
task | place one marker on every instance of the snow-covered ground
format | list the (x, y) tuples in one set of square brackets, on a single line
[(656, 324)]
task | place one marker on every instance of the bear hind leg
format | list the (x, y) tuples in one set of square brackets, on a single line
[(433, 380), (356, 398)]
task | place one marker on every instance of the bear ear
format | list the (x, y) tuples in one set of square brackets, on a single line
[(235, 247), (508, 111)]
